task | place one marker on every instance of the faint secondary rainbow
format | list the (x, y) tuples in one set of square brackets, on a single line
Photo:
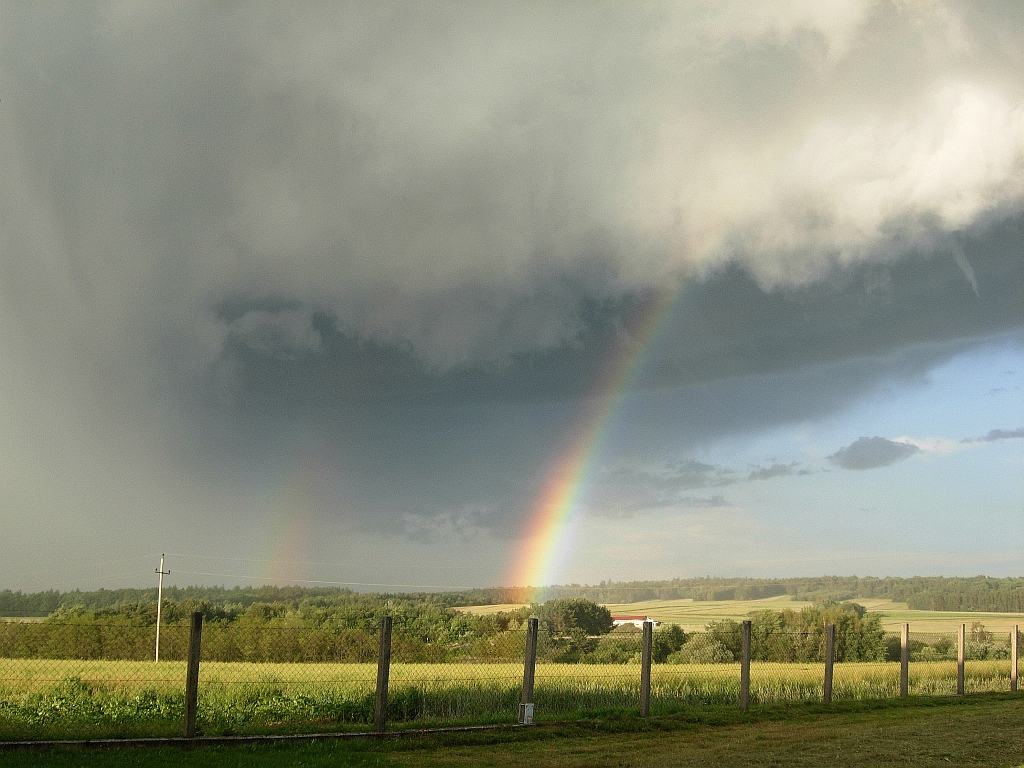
[(304, 487), (554, 513)]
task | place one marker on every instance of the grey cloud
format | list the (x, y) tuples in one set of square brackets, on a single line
[(965, 266), (462, 525), (456, 183), (624, 491), (717, 500), (1002, 434), (623, 507), (283, 334), (872, 452), (775, 470), (691, 474)]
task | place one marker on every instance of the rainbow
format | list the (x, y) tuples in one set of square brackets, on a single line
[(304, 487), (555, 514)]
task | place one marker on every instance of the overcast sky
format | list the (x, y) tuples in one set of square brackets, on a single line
[(311, 293)]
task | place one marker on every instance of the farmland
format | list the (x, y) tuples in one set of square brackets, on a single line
[(309, 666), (694, 615)]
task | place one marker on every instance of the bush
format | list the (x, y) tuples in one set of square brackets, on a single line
[(568, 614), (701, 648), (667, 639), (617, 648)]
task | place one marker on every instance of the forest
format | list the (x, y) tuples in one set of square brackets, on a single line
[(572, 630), (940, 593)]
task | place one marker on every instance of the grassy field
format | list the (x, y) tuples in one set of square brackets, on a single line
[(981, 731), (694, 615), (60, 699)]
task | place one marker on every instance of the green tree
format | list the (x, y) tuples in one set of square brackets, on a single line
[(666, 640), (567, 614), (701, 648)]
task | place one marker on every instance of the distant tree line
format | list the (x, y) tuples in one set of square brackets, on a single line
[(970, 598), (979, 593), (572, 630)]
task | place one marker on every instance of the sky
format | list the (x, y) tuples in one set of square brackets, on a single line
[(443, 295)]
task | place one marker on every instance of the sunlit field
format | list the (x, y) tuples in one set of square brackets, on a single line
[(694, 615), (81, 698)]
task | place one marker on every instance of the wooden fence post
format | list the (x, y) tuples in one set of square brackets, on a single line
[(745, 668), (960, 655), (1014, 639), (905, 662), (529, 670), (195, 639), (830, 654), (645, 670), (380, 706)]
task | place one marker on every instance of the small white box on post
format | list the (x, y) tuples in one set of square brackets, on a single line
[(526, 714)]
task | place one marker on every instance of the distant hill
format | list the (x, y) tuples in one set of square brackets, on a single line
[(940, 593)]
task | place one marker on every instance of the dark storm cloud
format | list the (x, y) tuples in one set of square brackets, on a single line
[(410, 237), (722, 327), (871, 453), (452, 182)]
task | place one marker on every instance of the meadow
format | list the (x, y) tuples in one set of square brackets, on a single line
[(61, 698), (694, 615), (311, 668)]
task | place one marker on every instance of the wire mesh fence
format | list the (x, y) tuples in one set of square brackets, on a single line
[(608, 680), (67, 679)]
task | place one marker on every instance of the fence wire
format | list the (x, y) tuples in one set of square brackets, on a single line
[(585, 676), (68, 679)]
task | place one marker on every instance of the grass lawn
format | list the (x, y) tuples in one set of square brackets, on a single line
[(986, 730)]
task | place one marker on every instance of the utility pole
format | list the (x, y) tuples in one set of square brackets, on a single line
[(159, 603)]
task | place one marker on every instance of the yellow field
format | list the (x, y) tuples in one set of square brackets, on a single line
[(91, 699), (21, 676), (694, 615)]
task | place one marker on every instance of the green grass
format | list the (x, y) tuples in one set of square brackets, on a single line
[(986, 730), (89, 699)]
